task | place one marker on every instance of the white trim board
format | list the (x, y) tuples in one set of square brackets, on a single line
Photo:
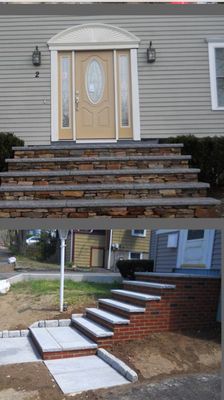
[(212, 69)]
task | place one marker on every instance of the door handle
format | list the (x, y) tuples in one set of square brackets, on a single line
[(77, 100)]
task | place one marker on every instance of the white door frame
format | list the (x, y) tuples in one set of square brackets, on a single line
[(94, 37), (209, 236)]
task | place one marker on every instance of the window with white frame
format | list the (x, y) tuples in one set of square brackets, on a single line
[(139, 232), (135, 255), (216, 64)]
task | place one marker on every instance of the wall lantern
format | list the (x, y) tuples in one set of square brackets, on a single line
[(151, 54), (36, 57)]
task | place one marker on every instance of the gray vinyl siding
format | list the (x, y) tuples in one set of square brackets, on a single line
[(216, 255), (165, 258), (174, 91)]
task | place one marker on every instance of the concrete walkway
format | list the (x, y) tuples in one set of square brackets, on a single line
[(17, 350), (102, 277), (74, 375)]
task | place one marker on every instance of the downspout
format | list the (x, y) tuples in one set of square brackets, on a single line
[(109, 248), (71, 246)]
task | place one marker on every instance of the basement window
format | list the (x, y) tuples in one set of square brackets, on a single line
[(138, 232), (135, 256), (216, 64)]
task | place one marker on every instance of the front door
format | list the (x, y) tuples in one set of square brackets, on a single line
[(196, 248), (97, 257), (94, 95)]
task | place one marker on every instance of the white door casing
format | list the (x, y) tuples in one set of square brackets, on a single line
[(94, 36), (195, 253)]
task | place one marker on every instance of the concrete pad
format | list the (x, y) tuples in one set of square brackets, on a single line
[(70, 339), (75, 375), (17, 350), (45, 340), (61, 338)]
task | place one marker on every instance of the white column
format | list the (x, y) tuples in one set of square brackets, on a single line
[(135, 95), (54, 95), (62, 276)]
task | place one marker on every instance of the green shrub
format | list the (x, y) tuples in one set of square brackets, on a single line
[(207, 154), (7, 141), (127, 268), (47, 246)]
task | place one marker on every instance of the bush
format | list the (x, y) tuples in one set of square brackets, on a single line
[(47, 246), (127, 268), (7, 141), (207, 154)]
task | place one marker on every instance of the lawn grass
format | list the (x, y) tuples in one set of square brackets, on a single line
[(75, 293), (27, 263)]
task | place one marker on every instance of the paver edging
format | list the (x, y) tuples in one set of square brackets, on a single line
[(14, 333), (49, 323), (118, 365)]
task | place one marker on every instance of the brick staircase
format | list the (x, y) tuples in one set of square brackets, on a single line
[(134, 179), (151, 303)]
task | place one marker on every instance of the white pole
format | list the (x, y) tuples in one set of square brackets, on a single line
[(62, 275), (109, 250)]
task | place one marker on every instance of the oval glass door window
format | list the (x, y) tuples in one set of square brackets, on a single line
[(95, 81)]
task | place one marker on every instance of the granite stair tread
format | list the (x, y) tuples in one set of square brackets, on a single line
[(136, 295), (118, 145), (108, 316), (92, 172), (107, 203), (109, 186), (57, 339), (131, 308), (92, 327), (153, 285), (98, 159)]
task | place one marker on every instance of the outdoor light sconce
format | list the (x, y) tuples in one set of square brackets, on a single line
[(151, 54), (36, 57)]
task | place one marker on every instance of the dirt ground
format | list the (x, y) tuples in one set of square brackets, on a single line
[(158, 356), (18, 311)]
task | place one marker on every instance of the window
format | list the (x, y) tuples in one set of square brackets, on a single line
[(135, 256), (216, 63), (138, 232), (195, 234)]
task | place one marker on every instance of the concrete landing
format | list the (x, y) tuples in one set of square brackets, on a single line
[(75, 375), (17, 350), (61, 339)]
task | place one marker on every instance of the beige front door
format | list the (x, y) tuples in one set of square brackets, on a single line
[(94, 95), (97, 257)]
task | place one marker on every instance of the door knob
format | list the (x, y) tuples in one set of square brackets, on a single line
[(77, 100)]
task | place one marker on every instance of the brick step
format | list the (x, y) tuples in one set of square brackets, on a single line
[(106, 318), (117, 190), (121, 306), (95, 163), (133, 297), (165, 207), (95, 331), (98, 149), (155, 175), (62, 342), (152, 288)]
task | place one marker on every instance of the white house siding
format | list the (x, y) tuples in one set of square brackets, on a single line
[(165, 259), (174, 91)]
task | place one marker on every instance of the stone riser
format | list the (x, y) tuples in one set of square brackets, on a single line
[(97, 152), (95, 165), (102, 194), (81, 179), (115, 212)]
